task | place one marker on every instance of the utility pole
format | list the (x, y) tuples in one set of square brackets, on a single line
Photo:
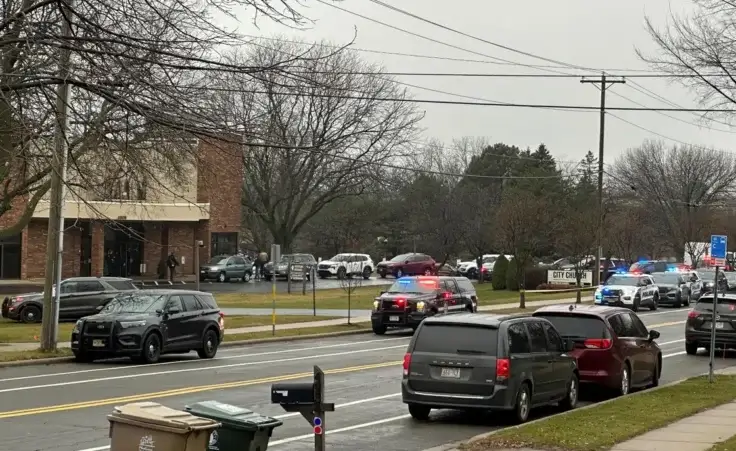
[(55, 238), (604, 83)]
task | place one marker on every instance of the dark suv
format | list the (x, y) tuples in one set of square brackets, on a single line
[(280, 270), (611, 344), (144, 325), (700, 320), (411, 299), (80, 296), (674, 288), (407, 265), (497, 362)]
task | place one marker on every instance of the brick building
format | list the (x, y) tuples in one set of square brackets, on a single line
[(132, 237)]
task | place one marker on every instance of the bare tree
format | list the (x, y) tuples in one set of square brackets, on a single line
[(329, 107), (679, 187), (349, 284), (525, 223), (577, 238)]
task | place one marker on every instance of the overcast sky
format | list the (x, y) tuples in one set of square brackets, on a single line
[(587, 33)]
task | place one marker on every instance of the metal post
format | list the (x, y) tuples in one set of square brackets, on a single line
[(319, 398), (304, 280), (196, 264), (713, 329), (314, 292), (288, 277), (275, 258)]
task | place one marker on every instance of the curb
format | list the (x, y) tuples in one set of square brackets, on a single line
[(226, 344)]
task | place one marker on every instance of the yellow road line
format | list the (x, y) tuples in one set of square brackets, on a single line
[(671, 323), (182, 391)]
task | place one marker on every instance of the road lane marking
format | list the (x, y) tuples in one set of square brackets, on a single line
[(342, 406), (671, 323), (184, 391), (258, 354), (189, 370)]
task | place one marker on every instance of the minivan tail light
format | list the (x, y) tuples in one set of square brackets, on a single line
[(597, 343), (693, 314), (503, 369), (407, 363)]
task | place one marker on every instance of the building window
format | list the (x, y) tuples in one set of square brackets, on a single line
[(224, 243)]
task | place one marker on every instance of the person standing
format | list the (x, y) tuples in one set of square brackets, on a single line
[(172, 263)]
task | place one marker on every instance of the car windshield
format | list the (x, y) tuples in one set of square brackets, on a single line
[(340, 258), (135, 304), (490, 259), (622, 280), (408, 285), (667, 279), (707, 274), (400, 258), (570, 325), (218, 261), (286, 258)]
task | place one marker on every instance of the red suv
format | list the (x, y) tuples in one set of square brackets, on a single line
[(407, 265), (612, 345)]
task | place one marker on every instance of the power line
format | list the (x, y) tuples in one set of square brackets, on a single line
[(498, 75)]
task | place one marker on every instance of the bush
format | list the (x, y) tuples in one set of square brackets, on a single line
[(535, 276), (512, 281), (498, 275)]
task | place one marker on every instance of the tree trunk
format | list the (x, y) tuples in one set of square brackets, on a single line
[(522, 294)]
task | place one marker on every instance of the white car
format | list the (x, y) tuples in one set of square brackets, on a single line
[(346, 265), (628, 290)]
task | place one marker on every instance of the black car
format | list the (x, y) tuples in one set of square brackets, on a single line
[(80, 296), (700, 321), (510, 363), (674, 288), (144, 325), (411, 299), (709, 278), (281, 269)]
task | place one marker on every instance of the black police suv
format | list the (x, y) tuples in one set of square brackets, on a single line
[(700, 323), (411, 299), (80, 296), (479, 362), (144, 325)]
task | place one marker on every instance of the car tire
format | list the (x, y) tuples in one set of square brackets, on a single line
[(382, 275), (341, 273), (571, 397), (246, 276), (624, 385), (379, 330), (689, 299), (655, 303), (151, 352), (222, 278), (419, 412), (691, 348), (523, 404), (678, 302), (82, 357), (30, 314), (657, 372), (210, 342), (367, 273), (637, 302)]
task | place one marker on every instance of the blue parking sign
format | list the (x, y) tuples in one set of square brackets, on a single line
[(718, 246)]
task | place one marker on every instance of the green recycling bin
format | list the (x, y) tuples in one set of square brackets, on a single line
[(241, 430)]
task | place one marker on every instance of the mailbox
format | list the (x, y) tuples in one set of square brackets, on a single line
[(294, 393)]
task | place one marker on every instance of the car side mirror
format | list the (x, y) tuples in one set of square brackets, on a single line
[(159, 312), (653, 335), (568, 345), (99, 307), (173, 310)]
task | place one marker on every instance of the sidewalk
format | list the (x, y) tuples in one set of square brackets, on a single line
[(360, 316)]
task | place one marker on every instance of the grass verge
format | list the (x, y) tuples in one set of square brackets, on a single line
[(12, 356), (581, 430), (728, 445), (362, 298), (299, 332), (13, 332)]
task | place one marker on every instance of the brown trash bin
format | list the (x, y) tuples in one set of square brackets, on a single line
[(149, 426)]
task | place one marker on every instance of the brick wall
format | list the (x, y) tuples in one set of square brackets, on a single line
[(220, 182), (98, 248), (181, 242), (35, 252), (152, 247)]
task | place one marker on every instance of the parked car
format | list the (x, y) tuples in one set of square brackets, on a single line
[(411, 264), (628, 290), (708, 276), (281, 269), (649, 266), (674, 288), (80, 296), (144, 325), (346, 265), (730, 279), (612, 345), (511, 363), (700, 321), (445, 270), (224, 268), (412, 299)]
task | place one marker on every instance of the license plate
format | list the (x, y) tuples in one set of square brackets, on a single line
[(719, 325), (393, 318), (98, 343), (450, 372)]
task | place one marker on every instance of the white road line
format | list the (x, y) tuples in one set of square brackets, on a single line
[(258, 354), (187, 370), (670, 342), (664, 312), (347, 404)]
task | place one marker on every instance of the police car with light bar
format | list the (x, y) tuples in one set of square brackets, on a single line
[(632, 290), (412, 299)]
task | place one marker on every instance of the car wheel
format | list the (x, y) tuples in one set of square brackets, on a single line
[(571, 398), (428, 272), (678, 301), (657, 372), (367, 273), (625, 383), (688, 299), (379, 329), (30, 314), (418, 412), (382, 275), (341, 273), (151, 349), (655, 303), (246, 276), (222, 277), (210, 342), (523, 404), (691, 348), (637, 302), (399, 273)]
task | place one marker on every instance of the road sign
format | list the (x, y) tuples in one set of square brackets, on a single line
[(317, 421), (718, 248), (318, 430)]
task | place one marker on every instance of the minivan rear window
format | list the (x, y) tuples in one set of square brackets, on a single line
[(724, 305), (576, 325), (456, 339)]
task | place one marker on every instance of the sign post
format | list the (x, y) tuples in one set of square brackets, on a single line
[(718, 248), (275, 258)]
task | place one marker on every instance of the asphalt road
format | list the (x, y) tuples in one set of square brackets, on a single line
[(265, 287), (64, 407)]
